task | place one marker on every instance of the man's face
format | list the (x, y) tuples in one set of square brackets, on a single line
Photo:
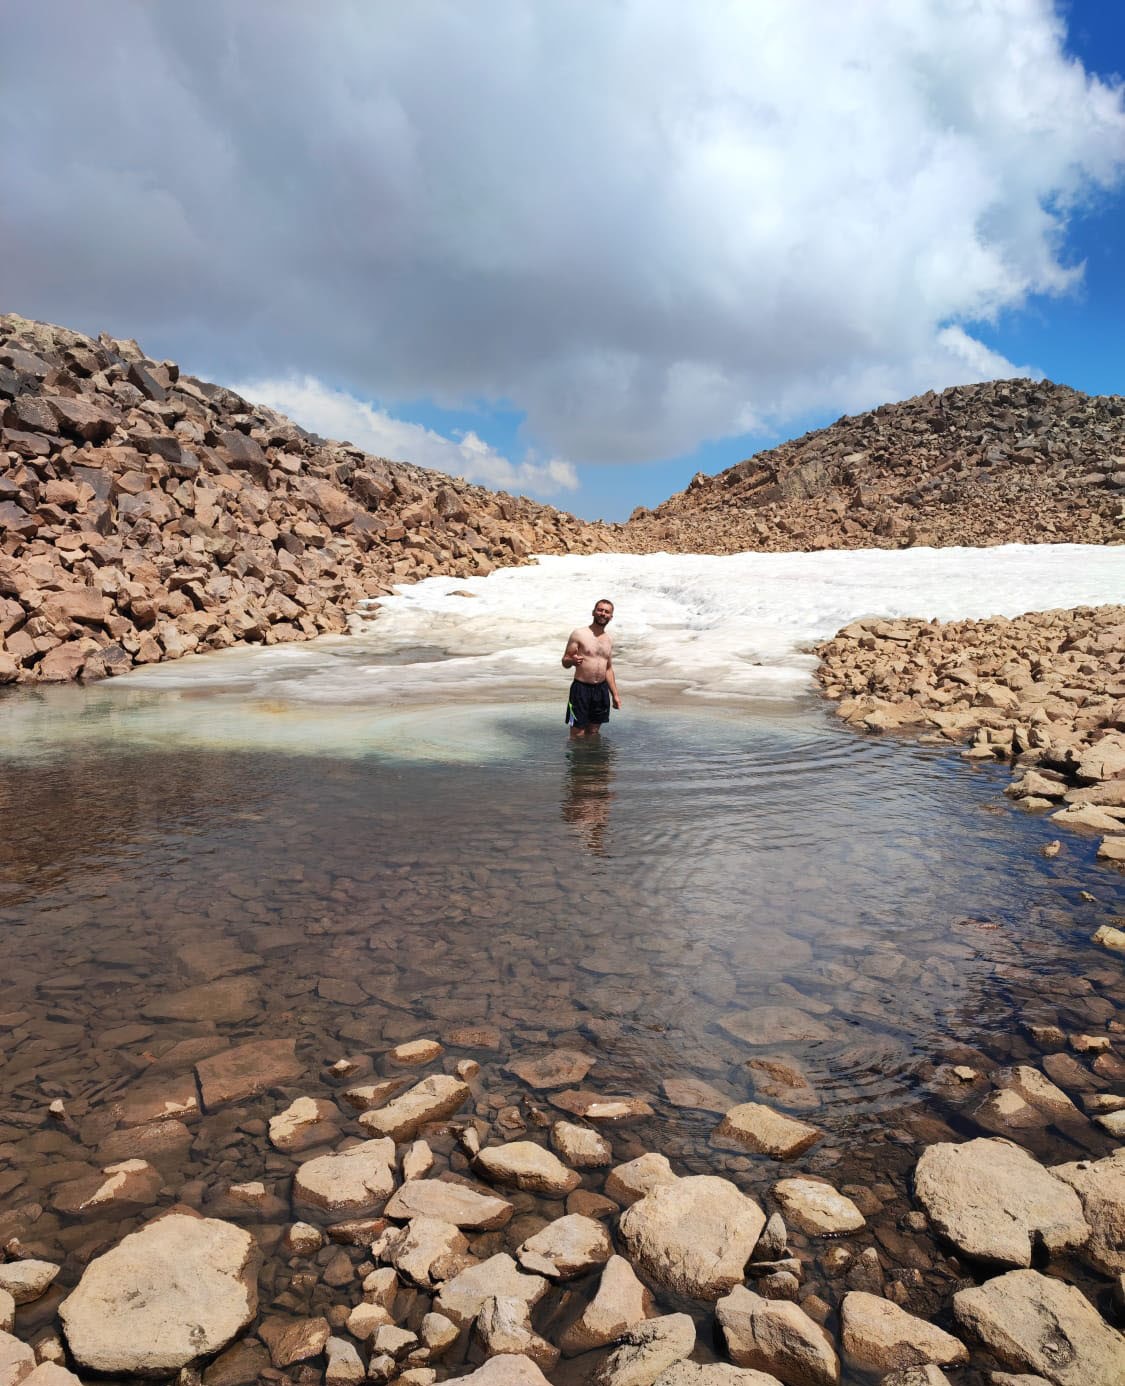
[(603, 613)]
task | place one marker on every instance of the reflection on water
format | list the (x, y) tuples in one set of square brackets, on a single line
[(588, 790), (721, 890)]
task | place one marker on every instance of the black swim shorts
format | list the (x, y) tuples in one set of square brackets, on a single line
[(587, 704)]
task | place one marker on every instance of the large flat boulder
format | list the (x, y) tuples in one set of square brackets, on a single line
[(455, 1203), (177, 1290), (995, 1202), (1037, 1324), (753, 1126), (348, 1183), (247, 1070), (694, 1236), (433, 1099)]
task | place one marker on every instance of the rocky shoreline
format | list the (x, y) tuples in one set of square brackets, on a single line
[(422, 1229), (145, 515), (1044, 692)]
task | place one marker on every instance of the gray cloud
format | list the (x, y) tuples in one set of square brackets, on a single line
[(643, 223)]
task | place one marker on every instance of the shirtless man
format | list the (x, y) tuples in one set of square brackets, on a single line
[(589, 652)]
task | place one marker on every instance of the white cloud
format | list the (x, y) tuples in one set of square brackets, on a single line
[(643, 223), (336, 414)]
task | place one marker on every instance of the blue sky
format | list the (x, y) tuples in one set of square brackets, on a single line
[(576, 249)]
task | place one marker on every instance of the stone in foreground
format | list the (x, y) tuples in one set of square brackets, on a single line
[(646, 1350), (178, 1289), (620, 1302), (504, 1326), (764, 1131), (26, 1280), (432, 1099), (878, 1336), (689, 1373), (1100, 1184), (347, 1183), (570, 1246), (695, 1236), (773, 1335), (994, 1201), (462, 1298), (1037, 1324), (817, 1208), (455, 1203), (527, 1166), (508, 1370)]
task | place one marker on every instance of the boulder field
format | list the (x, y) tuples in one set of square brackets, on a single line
[(1044, 691), (451, 1253), (145, 514), (1001, 462)]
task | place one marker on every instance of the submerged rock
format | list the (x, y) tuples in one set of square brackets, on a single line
[(766, 1132), (177, 1290)]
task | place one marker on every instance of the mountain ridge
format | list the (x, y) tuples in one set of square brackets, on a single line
[(1003, 461)]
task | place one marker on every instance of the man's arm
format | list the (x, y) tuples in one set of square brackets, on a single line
[(572, 655), (611, 679)]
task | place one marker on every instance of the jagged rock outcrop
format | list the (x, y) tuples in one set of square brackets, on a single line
[(145, 514), (1007, 461)]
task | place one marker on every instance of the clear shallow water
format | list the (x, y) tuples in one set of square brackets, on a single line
[(388, 836), (622, 899)]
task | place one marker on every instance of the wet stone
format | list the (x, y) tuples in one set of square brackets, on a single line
[(694, 1236), (558, 1069), (765, 1132), (247, 1070), (229, 1000), (450, 1202), (774, 1025), (26, 1280), (626, 1183), (348, 1183), (305, 1123), (601, 1106), (525, 1165), (580, 1146)]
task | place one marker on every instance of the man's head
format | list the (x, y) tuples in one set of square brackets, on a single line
[(603, 612)]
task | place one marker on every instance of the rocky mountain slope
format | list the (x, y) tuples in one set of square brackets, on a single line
[(145, 514), (1007, 461)]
